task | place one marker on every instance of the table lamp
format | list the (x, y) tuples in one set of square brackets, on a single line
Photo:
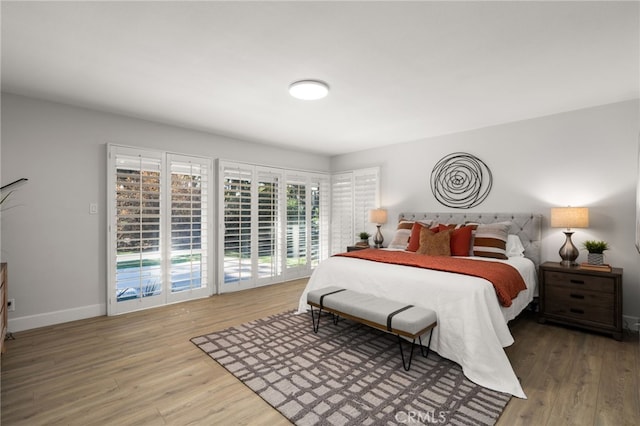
[(378, 216), (569, 217)]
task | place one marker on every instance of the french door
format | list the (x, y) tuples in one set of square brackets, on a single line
[(274, 224), (158, 228)]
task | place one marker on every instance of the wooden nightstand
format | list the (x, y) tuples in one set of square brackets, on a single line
[(584, 298), (354, 248)]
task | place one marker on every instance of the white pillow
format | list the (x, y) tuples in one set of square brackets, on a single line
[(403, 233), (514, 246), (400, 239)]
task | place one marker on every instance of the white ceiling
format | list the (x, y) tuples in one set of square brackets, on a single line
[(398, 71)]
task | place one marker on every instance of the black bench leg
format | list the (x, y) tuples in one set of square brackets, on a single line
[(316, 324), (406, 366), (422, 351)]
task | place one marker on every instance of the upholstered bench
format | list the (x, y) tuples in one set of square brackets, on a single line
[(377, 312)]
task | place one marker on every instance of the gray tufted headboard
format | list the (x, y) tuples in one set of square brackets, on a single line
[(527, 226)]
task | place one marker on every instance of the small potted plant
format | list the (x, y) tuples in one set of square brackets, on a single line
[(364, 239), (596, 251)]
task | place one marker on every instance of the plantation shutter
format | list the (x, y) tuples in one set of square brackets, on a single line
[(275, 224), (353, 194), (138, 259), (269, 261), (365, 198), (158, 239), (237, 251), (296, 230), (189, 214), (319, 223), (341, 212)]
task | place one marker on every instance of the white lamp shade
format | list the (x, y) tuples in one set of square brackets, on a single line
[(569, 217), (378, 216)]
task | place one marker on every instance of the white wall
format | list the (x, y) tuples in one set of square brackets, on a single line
[(581, 158), (56, 251)]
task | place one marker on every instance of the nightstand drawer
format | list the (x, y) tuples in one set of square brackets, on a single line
[(579, 281), (583, 305)]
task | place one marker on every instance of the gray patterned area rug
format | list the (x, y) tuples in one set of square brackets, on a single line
[(347, 374)]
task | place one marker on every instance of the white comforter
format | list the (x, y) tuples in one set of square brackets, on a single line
[(472, 326)]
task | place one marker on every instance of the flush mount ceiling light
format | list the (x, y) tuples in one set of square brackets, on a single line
[(309, 90)]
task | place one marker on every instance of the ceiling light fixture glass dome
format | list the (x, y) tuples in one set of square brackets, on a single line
[(309, 90)]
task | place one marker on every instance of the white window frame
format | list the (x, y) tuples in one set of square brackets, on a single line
[(166, 296), (206, 252), (284, 176), (353, 194)]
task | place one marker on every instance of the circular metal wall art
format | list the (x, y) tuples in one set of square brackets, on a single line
[(461, 181)]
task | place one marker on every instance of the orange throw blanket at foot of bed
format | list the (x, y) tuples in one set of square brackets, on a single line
[(506, 279)]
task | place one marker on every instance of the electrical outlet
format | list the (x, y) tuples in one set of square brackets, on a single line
[(93, 208), (11, 305)]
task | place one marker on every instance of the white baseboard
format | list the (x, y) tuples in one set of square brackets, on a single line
[(58, 317), (630, 323)]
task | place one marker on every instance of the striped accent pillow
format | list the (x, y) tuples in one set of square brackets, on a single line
[(490, 240)]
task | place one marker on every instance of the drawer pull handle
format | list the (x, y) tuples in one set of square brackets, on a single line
[(577, 296), (577, 281), (576, 311)]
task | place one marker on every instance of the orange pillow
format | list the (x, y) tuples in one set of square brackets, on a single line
[(414, 239), (460, 239), (435, 243)]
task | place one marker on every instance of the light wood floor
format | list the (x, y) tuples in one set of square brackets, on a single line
[(142, 369)]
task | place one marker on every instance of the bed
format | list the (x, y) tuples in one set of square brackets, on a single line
[(472, 325)]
